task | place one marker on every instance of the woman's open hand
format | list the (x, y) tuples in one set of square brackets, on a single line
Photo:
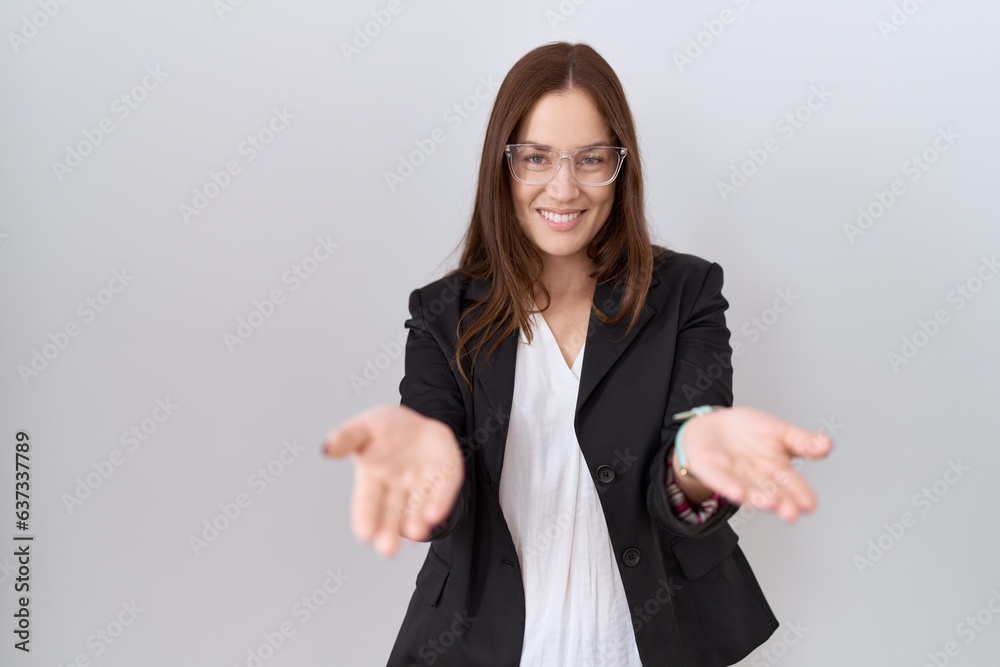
[(408, 471), (746, 455)]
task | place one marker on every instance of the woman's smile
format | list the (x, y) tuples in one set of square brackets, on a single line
[(562, 220)]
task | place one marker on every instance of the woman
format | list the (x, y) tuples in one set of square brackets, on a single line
[(562, 353)]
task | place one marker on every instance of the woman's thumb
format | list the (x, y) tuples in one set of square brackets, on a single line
[(348, 438)]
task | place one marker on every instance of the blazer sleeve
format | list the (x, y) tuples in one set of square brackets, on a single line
[(430, 387), (702, 375)]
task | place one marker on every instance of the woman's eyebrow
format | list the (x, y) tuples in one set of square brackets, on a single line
[(599, 142)]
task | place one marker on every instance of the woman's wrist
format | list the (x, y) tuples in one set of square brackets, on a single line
[(695, 491), (689, 437)]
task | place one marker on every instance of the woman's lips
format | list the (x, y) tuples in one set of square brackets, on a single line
[(566, 226)]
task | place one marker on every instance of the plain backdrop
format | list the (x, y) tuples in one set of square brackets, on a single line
[(196, 220)]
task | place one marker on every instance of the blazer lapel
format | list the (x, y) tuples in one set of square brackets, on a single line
[(605, 344)]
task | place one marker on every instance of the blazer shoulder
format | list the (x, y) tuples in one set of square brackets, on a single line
[(443, 289), (679, 270), (671, 260), (435, 305)]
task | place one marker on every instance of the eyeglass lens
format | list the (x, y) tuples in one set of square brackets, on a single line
[(538, 165)]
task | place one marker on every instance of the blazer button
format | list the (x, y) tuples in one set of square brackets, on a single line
[(605, 474), (631, 557)]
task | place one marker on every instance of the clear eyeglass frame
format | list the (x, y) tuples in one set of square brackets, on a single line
[(621, 151)]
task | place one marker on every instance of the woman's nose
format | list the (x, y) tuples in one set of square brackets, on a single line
[(563, 186)]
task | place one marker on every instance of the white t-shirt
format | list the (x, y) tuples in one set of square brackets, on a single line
[(576, 610)]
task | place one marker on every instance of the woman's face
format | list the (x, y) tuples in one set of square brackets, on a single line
[(562, 216)]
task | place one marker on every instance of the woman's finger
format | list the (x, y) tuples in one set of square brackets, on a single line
[(406, 504), (792, 493), (387, 538), (440, 494), (387, 543), (759, 498), (766, 483), (788, 511), (808, 444), (366, 504), (349, 438), (426, 503), (442, 476), (413, 527), (748, 474), (796, 489)]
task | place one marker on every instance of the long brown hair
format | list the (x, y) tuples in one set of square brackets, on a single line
[(497, 251)]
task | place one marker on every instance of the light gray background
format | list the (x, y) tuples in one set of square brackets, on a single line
[(823, 361)]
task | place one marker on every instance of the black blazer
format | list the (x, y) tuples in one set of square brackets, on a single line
[(694, 598)]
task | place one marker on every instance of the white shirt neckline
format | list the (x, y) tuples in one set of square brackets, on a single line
[(542, 328)]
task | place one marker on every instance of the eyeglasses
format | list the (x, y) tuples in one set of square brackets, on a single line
[(591, 165)]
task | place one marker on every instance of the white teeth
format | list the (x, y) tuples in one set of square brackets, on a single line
[(555, 217)]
